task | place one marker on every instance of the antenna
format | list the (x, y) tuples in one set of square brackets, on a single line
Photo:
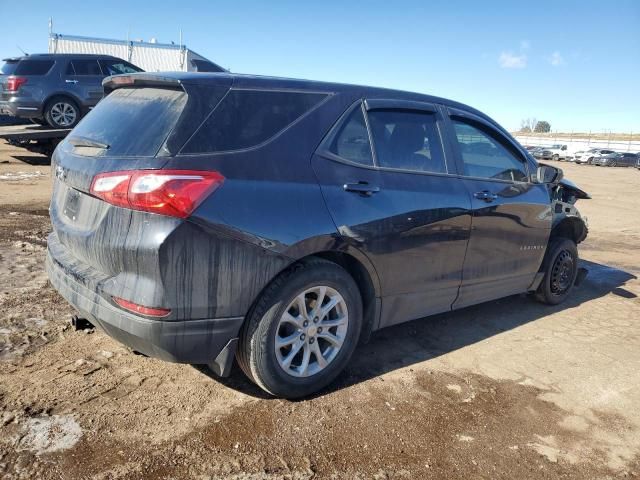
[(25, 53)]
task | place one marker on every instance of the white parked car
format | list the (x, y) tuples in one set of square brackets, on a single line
[(586, 156)]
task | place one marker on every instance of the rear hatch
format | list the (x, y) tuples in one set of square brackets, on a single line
[(20, 77), (139, 126)]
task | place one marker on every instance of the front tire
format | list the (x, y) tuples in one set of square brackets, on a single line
[(62, 112), (560, 265), (302, 330)]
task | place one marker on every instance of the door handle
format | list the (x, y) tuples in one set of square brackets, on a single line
[(486, 195), (71, 81), (363, 188)]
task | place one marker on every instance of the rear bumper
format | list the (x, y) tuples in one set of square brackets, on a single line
[(20, 109), (203, 341)]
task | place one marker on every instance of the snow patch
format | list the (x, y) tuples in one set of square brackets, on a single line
[(50, 434)]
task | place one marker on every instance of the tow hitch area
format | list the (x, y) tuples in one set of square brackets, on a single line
[(582, 274), (80, 323)]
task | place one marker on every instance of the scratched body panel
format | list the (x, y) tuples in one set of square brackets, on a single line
[(424, 244)]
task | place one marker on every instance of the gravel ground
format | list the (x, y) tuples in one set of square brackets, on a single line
[(507, 389)]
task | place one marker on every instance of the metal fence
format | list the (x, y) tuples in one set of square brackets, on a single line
[(581, 141)]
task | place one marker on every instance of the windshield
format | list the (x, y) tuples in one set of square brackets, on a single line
[(131, 122)]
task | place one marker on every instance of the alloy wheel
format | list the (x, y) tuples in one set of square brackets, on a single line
[(311, 331), (63, 114)]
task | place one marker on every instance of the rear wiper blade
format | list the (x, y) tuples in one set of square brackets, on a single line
[(87, 142)]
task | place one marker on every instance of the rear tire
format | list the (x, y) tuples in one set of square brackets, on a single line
[(62, 112), (278, 317), (560, 265)]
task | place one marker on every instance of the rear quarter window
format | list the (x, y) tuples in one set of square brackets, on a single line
[(133, 121), (247, 118), (33, 67)]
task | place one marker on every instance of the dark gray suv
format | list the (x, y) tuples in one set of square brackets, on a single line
[(56, 89)]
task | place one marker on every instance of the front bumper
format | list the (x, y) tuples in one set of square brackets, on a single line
[(202, 341)]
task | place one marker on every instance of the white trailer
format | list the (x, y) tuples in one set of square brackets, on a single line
[(150, 56)]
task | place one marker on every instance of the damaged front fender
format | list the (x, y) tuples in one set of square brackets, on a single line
[(567, 220)]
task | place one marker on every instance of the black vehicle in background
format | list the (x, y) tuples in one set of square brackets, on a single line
[(542, 153), (616, 159), (200, 218), (56, 89)]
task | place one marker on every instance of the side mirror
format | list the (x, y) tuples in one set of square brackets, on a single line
[(548, 174)]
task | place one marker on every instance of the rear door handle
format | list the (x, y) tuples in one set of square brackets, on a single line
[(71, 81), (486, 195), (362, 188)]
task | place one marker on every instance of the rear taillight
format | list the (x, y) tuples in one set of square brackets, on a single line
[(14, 83), (175, 193), (140, 309)]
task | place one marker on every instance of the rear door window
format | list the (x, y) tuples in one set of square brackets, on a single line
[(248, 118), (85, 67), (483, 155), (33, 67), (407, 140), (133, 122)]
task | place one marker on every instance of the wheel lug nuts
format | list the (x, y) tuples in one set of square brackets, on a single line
[(302, 337), (319, 329), (306, 323), (311, 340), (315, 320)]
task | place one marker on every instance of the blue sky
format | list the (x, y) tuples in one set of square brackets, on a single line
[(574, 64)]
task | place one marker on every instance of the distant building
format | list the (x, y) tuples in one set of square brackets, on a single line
[(150, 56)]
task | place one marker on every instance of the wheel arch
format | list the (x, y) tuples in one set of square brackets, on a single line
[(71, 96), (571, 227), (361, 270)]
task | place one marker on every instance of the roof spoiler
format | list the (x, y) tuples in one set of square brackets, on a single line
[(140, 80)]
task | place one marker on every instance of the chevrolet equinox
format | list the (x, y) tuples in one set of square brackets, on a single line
[(202, 218)]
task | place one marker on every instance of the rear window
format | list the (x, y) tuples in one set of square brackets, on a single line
[(33, 67), (133, 122), (247, 118), (8, 68)]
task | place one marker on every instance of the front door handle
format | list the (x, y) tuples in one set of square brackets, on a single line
[(71, 81), (486, 195), (363, 188)]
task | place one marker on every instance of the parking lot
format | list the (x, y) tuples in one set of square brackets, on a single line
[(506, 389)]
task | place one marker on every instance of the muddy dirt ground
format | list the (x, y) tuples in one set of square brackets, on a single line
[(507, 389)]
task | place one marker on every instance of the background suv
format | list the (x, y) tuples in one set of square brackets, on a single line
[(56, 89), (196, 216)]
